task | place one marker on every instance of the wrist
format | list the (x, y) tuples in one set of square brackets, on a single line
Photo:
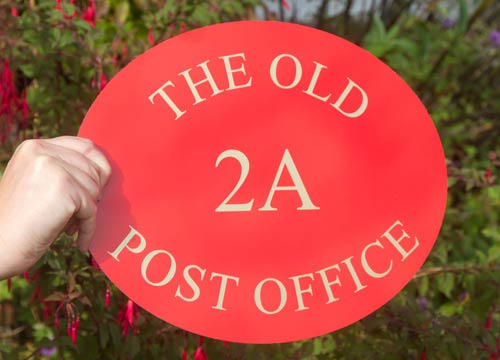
[(11, 261)]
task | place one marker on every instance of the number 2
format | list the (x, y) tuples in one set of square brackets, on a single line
[(245, 168)]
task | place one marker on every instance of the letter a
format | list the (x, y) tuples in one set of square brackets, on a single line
[(298, 185)]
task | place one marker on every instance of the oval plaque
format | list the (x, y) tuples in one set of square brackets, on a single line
[(271, 182)]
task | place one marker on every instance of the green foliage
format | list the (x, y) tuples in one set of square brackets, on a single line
[(451, 308)]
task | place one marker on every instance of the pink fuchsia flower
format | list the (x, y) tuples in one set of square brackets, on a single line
[(487, 174), (47, 310), (11, 107), (487, 324), (107, 297), (72, 328), (103, 81), (8, 100), (127, 317), (75, 327), (89, 14), (14, 12), (36, 296), (74, 334), (495, 37), (68, 327), (200, 353), (94, 263), (151, 36)]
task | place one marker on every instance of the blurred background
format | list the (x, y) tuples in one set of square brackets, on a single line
[(55, 57)]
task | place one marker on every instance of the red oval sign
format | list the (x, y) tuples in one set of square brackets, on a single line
[(271, 182)]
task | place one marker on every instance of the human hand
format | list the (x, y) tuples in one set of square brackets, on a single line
[(49, 186)]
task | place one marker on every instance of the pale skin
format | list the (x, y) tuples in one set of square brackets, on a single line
[(49, 187)]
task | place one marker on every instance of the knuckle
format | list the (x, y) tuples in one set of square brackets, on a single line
[(88, 147), (62, 181), (30, 147), (74, 139), (95, 192), (93, 209), (88, 209), (42, 163), (90, 169), (107, 170), (87, 140), (95, 172)]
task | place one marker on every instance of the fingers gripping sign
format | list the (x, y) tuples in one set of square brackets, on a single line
[(49, 186)]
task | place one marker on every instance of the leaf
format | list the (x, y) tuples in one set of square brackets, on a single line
[(393, 32), (423, 286), (201, 15), (323, 345), (56, 36), (90, 347), (233, 8), (492, 233), (57, 296), (66, 39), (115, 335), (379, 27), (122, 11), (28, 69), (446, 283), (462, 16), (406, 46), (85, 300), (82, 25), (5, 294), (103, 336), (74, 295), (68, 8), (71, 282), (494, 254), (376, 41), (448, 309), (42, 331)]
